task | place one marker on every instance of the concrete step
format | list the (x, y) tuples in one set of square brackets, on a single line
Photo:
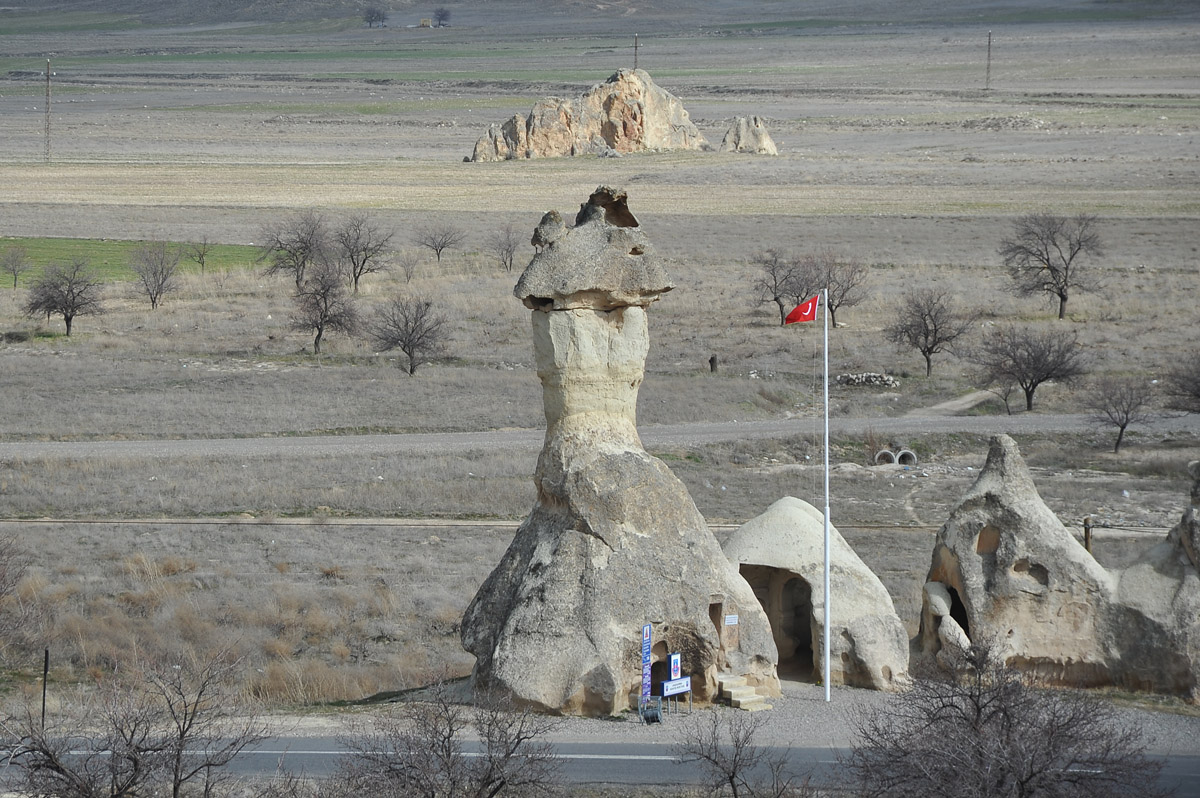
[(740, 695), (755, 703)]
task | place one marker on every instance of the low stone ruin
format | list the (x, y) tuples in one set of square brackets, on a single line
[(781, 553), (627, 113), (867, 378), (614, 541), (748, 135), (1006, 573)]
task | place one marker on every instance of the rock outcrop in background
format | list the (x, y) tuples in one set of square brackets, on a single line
[(614, 541), (748, 135), (626, 113), (781, 553), (1006, 573)]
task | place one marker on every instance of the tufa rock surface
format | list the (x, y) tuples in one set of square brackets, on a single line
[(626, 113), (614, 541), (748, 135), (781, 553), (1006, 573)]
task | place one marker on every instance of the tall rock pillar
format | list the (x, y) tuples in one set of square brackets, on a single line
[(614, 541)]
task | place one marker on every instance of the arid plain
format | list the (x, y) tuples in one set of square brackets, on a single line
[(898, 147)]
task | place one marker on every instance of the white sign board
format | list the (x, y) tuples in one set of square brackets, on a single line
[(731, 620), (677, 686)]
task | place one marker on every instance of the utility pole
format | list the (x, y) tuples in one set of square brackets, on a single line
[(987, 81), (635, 49), (47, 110)]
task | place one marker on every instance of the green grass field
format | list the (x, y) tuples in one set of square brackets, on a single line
[(111, 258)]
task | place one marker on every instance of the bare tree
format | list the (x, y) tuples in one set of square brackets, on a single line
[(927, 321), (1025, 357), (198, 252), (156, 264), (292, 245), (1043, 256), (985, 732), (1183, 383), (439, 238), (104, 743), (776, 281), (441, 17), (1119, 402), (360, 246), (19, 619), (408, 262), (417, 751), (845, 279), (171, 730), (15, 262), (413, 326), (65, 289), (722, 744), (323, 305), (204, 730), (374, 15), (503, 245)]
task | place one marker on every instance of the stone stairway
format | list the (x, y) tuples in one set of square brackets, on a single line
[(739, 695)]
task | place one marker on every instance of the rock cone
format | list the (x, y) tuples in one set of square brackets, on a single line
[(613, 541), (627, 113), (781, 553), (1006, 573), (748, 135)]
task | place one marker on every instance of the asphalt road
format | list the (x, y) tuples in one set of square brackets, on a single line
[(623, 763), (531, 439)]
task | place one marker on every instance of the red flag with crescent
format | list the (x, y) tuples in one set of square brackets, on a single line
[(805, 311)]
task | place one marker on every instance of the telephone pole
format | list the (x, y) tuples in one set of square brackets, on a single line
[(987, 80), (635, 49), (47, 110)]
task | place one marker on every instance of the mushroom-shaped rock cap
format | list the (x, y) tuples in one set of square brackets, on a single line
[(603, 262)]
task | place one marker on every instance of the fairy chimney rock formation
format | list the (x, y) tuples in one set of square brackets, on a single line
[(629, 112), (1006, 573), (614, 541), (748, 135), (781, 554)]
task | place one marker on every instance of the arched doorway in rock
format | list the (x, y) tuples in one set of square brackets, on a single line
[(796, 621), (958, 611), (786, 597)]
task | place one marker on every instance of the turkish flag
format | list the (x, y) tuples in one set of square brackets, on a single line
[(805, 311)]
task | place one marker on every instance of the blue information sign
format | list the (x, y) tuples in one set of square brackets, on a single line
[(646, 661)]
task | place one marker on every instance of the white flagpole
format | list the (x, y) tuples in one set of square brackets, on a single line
[(825, 642)]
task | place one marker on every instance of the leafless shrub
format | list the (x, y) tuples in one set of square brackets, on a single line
[(360, 246), (417, 750), (292, 245), (723, 745), (415, 327), (322, 305), (503, 245), (1043, 254), (1183, 383), (1120, 402), (439, 237), (198, 252), (983, 731), (927, 321), (14, 261), (844, 278), (67, 290), (1028, 358), (169, 731), (156, 264)]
